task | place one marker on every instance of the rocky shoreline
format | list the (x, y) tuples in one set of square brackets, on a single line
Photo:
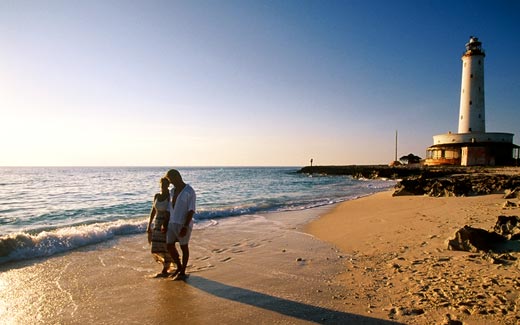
[(460, 185), (382, 171), (434, 181)]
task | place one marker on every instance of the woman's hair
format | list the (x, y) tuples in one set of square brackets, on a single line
[(164, 180)]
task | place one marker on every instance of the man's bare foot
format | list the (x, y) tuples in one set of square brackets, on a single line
[(162, 274), (181, 277), (174, 274)]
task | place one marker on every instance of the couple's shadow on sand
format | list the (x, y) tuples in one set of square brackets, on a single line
[(282, 306)]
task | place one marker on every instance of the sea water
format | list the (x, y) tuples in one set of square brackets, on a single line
[(50, 210)]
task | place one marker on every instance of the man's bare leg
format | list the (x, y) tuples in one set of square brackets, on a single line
[(175, 256), (185, 257)]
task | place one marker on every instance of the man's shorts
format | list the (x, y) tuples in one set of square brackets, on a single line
[(172, 235)]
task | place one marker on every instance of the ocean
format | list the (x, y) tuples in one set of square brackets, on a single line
[(45, 211)]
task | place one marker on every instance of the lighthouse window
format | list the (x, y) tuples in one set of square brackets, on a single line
[(461, 117), (471, 76), (470, 102)]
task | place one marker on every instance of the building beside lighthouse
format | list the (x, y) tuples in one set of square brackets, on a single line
[(472, 145)]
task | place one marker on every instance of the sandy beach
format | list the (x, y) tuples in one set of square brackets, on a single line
[(375, 260), (400, 268)]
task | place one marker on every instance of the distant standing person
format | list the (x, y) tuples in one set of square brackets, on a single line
[(157, 234), (180, 226), (311, 162)]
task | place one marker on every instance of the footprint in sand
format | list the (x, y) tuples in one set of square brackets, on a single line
[(253, 245), (219, 250), (202, 268)]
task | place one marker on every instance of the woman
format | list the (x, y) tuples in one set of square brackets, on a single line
[(157, 234)]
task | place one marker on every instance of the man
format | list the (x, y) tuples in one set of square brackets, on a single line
[(182, 209)]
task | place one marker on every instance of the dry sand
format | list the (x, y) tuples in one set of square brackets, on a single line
[(402, 270), (375, 260)]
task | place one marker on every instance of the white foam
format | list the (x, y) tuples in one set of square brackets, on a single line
[(20, 246)]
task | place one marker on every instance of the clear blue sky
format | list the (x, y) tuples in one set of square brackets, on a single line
[(244, 83)]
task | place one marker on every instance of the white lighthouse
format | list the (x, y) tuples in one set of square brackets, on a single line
[(472, 145), (472, 117)]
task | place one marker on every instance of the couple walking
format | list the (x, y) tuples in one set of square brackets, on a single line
[(173, 213)]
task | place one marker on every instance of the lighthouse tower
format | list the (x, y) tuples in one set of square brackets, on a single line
[(472, 145), (472, 116)]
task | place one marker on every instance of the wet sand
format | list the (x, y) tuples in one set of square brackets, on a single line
[(250, 270), (375, 260)]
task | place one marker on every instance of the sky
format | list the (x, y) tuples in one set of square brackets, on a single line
[(244, 83)]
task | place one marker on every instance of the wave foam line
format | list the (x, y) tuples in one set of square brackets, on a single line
[(22, 246)]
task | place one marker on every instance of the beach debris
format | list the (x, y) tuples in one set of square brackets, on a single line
[(395, 266), (511, 194), (451, 321), (509, 204), (504, 259), (404, 311)]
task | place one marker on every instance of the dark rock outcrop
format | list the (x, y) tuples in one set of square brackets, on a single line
[(508, 227), (457, 185), (434, 181), (497, 245), (473, 240)]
